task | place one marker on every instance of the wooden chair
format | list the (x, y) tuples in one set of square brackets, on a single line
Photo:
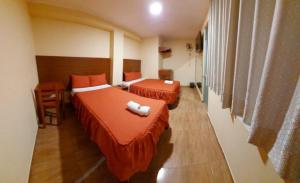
[(48, 97)]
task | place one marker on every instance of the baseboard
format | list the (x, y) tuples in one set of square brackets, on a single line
[(232, 175), (33, 149), (199, 92)]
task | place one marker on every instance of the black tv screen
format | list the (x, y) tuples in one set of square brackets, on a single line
[(199, 43)]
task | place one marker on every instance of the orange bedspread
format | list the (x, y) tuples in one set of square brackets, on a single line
[(157, 89), (127, 140)]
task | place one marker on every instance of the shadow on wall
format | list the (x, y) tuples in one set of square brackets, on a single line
[(262, 153), (182, 55), (181, 61)]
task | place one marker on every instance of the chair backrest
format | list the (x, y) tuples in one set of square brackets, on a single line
[(48, 95)]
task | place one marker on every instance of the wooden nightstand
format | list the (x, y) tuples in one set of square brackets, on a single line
[(165, 74)]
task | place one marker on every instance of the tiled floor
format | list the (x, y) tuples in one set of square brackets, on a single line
[(188, 152)]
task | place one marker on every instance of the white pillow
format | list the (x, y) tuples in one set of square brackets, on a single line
[(92, 88), (126, 84)]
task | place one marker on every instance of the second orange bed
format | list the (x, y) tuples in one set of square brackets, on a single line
[(157, 89)]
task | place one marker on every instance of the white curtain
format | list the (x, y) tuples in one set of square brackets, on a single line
[(218, 28), (263, 16), (262, 44), (285, 154), (242, 56), (230, 49)]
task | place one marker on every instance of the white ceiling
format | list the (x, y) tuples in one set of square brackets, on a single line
[(179, 19)]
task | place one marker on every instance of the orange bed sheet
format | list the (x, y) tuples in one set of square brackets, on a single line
[(127, 140), (157, 89)]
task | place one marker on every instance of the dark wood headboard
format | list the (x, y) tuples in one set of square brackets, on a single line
[(55, 68), (131, 65)]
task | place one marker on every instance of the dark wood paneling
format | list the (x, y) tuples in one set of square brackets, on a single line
[(55, 68), (131, 65), (165, 74)]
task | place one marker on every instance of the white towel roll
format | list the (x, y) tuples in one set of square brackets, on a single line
[(168, 82), (144, 110), (133, 106), (138, 109)]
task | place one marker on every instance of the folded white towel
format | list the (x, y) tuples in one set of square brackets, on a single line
[(145, 110), (168, 82), (133, 106), (138, 109)]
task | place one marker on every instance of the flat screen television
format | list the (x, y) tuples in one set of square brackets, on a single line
[(199, 43)]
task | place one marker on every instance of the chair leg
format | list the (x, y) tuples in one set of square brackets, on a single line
[(42, 118), (62, 105), (58, 115)]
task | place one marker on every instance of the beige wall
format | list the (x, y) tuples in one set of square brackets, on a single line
[(182, 63), (117, 56), (160, 64), (63, 36), (17, 77), (150, 57), (198, 67), (64, 32), (78, 17), (59, 38), (132, 49), (244, 160)]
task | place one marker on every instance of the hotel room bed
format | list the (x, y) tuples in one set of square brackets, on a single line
[(127, 140), (154, 88), (151, 88)]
